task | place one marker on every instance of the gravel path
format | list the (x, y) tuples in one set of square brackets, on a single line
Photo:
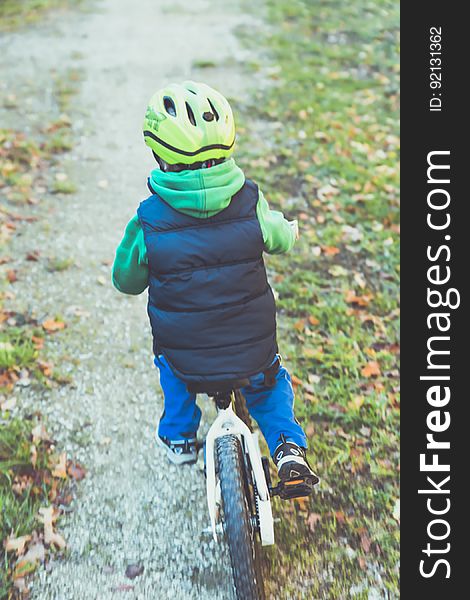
[(132, 508)]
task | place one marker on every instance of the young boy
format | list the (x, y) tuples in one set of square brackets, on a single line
[(197, 242)]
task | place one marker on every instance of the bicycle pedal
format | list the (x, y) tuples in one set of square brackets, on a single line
[(295, 488)]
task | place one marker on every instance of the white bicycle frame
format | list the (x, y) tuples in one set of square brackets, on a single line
[(228, 423)]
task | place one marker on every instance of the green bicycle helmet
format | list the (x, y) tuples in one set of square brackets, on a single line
[(189, 123)]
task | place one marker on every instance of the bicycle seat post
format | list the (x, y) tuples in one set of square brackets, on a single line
[(223, 399)]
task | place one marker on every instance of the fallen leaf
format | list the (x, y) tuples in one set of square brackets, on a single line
[(312, 520), (365, 542), (16, 544), (60, 469), (352, 298), (362, 562), (39, 433), (34, 255), (371, 369), (310, 430), (21, 483), (313, 320), (360, 281), (33, 454), (35, 553), (23, 568), (50, 325), (20, 585), (47, 516), (330, 250), (45, 367), (12, 276), (76, 471), (38, 342), (356, 403), (337, 271)]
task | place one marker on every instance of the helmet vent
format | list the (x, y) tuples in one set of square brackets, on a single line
[(169, 105), (213, 110), (191, 118)]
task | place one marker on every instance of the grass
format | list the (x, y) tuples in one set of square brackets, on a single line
[(204, 64), (16, 349), (16, 13), (63, 187), (66, 86), (58, 143), (60, 264), (325, 152), (27, 483)]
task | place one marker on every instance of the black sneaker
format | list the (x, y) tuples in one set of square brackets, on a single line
[(296, 477), (179, 452)]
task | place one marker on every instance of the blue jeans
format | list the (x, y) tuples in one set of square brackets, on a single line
[(271, 407)]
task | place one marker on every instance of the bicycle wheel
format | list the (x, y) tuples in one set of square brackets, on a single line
[(238, 523)]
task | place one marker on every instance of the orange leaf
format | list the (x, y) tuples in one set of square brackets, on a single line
[(46, 367), (302, 503), (371, 369), (330, 250), (51, 325), (300, 325), (296, 381), (313, 320), (38, 342), (11, 276), (352, 298)]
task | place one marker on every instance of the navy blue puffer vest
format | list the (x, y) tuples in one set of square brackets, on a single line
[(210, 305)]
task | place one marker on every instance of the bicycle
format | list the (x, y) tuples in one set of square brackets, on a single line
[(239, 487)]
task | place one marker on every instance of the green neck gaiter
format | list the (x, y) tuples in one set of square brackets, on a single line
[(200, 193)]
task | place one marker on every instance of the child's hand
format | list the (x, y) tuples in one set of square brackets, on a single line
[(295, 227)]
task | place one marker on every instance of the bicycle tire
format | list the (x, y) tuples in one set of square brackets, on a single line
[(238, 528)]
